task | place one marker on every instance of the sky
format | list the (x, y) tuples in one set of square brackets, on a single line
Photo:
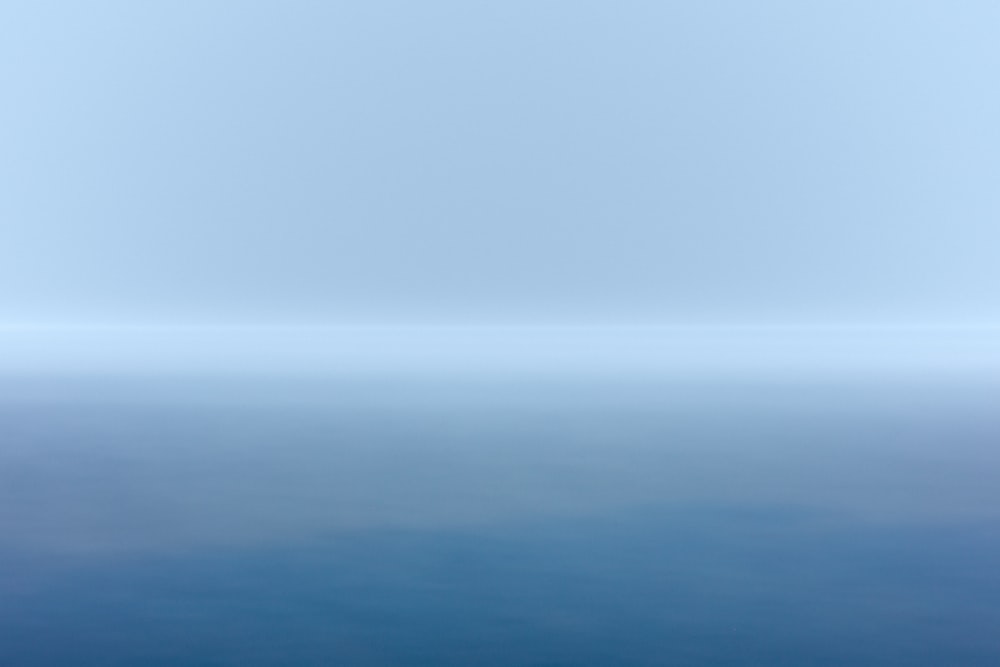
[(524, 161)]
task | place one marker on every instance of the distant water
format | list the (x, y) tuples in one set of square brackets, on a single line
[(262, 522)]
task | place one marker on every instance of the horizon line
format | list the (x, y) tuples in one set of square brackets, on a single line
[(480, 326)]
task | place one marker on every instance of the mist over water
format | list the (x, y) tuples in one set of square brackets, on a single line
[(498, 511), (499, 333)]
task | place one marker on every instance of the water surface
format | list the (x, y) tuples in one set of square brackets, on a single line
[(262, 521)]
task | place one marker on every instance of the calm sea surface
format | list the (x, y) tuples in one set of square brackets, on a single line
[(256, 522)]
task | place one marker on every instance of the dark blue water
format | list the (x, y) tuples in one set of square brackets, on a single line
[(309, 524)]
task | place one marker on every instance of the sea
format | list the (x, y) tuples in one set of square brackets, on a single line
[(257, 519)]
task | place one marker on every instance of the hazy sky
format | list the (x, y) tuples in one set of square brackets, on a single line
[(499, 161)]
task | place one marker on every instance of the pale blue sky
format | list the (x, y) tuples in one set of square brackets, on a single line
[(518, 161)]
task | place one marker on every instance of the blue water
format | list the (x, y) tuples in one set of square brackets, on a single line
[(258, 522)]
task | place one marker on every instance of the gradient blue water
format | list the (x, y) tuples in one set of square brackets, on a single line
[(310, 523)]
